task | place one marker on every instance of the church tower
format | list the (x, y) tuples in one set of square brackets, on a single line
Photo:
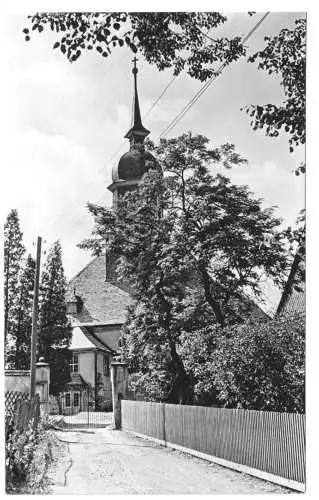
[(128, 173)]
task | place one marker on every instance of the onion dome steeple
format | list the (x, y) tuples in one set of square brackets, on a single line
[(128, 173), (137, 132)]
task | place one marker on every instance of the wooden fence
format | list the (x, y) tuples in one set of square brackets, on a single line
[(21, 412), (270, 442)]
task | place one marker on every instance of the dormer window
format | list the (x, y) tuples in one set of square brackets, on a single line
[(74, 304), (71, 307)]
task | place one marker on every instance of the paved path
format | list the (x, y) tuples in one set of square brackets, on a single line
[(105, 461)]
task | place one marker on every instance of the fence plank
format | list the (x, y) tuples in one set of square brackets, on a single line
[(271, 442)]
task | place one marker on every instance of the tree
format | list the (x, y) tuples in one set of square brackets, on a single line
[(54, 333), (187, 231), (296, 278), (222, 225), (23, 314), (285, 55), (256, 365), (13, 253), (183, 41), (175, 40)]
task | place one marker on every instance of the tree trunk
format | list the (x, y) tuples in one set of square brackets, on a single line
[(289, 285), (181, 391), (208, 295)]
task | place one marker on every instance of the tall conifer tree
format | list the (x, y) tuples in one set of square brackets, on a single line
[(13, 253), (23, 315), (54, 334)]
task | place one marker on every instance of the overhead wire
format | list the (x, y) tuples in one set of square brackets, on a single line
[(121, 146), (74, 225), (183, 112), (203, 89), (160, 96)]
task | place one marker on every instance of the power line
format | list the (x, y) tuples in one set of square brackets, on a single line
[(145, 115), (198, 94), (122, 145), (75, 223), (160, 96)]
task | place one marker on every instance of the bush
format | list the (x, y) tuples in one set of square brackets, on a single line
[(21, 451), (257, 365)]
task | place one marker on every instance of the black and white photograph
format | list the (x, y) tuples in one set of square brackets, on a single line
[(154, 248)]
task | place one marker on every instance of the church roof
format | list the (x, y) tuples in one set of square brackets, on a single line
[(104, 298), (296, 303), (137, 128), (134, 163)]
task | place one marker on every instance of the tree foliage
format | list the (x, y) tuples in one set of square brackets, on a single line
[(23, 315), (175, 40), (54, 333), (183, 41), (186, 242), (256, 365), (284, 55), (297, 274), (223, 225), (13, 256)]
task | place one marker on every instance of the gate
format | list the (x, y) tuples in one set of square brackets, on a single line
[(82, 406)]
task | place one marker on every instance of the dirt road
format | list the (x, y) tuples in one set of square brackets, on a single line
[(105, 461)]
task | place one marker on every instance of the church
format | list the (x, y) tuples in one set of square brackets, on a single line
[(96, 299)]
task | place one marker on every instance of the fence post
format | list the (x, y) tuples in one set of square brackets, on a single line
[(164, 422), (119, 390), (42, 384)]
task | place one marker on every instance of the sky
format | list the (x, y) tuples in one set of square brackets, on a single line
[(65, 122)]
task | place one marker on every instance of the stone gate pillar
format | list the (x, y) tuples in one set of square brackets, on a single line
[(42, 384), (119, 379)]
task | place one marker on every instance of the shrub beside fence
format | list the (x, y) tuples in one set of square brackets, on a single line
[(21, 411), (271, 442), (22, 418)]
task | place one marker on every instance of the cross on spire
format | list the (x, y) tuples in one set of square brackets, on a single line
[(134, 70)]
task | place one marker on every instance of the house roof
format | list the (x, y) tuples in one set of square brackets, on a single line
[(104, 297), (83, 338), (109, 335)]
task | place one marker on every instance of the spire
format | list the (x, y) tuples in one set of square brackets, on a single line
[(137, 133)]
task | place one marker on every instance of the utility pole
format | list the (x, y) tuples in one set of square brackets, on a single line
[(34, 335)]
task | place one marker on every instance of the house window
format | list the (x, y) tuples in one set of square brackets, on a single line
[(106, 366), (74, 364), (68, 399), (76, 399)]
